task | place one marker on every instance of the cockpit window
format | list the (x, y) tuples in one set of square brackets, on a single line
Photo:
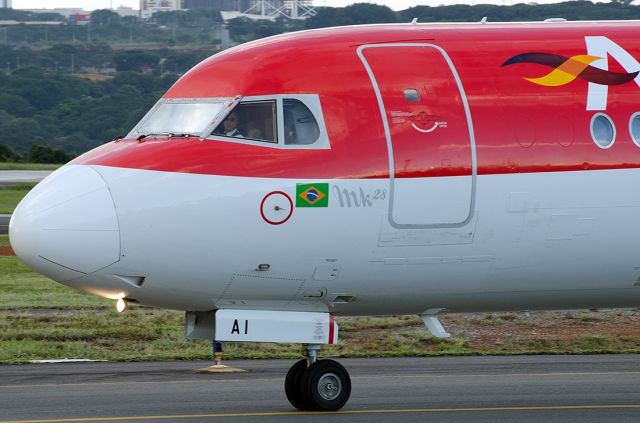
[(287, 121), (179, 118), (253, 120), (300, 127)]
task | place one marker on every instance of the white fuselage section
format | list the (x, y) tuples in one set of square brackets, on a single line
[(196, 242)]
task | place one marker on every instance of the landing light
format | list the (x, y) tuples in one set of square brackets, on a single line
[(121, 305)]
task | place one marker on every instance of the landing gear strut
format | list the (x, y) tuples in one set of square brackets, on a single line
[(321, 385)]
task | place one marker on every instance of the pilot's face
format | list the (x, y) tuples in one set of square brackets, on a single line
[(231, 122)]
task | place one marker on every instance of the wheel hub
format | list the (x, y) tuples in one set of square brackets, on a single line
[(329, 386)]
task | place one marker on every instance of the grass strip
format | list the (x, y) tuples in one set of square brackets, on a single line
[(10, 196), (41, 319), (28, 166)]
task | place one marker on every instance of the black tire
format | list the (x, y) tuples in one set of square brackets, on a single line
[(326, 386), (293, 384)]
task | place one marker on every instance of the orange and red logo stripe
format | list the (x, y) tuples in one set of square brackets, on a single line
[(567, 69)]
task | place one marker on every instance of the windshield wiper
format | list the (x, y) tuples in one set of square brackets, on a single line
[(153, 134), (168, 135), (185, 135)]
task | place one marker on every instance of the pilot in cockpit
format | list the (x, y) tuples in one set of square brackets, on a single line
[(230, 126)]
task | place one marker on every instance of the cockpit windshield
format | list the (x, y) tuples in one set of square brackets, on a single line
[(281, 120), (179, 118)]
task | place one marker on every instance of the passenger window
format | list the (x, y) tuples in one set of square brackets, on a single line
[(603, 131), (300, 127), (634, 128), (255, 120)]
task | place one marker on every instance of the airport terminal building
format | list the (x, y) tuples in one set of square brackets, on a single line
[(149, 7)]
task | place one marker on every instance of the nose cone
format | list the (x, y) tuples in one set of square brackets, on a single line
[(66, 227)]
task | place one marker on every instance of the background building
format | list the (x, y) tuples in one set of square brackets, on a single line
[(232, 5), (308, 3), (236, 5), (5, 3), (149, 7), (255, 9), (126, 11)]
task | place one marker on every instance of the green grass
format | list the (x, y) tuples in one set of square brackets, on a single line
[(20, 288), (10, 196), (28, 166), (4, 240), (41, 319)]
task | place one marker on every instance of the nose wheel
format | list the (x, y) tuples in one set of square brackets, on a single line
[(293, 384), (324, 385)]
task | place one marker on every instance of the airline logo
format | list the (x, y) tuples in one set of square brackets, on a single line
[(566, 69), (312, 195), (592, 67)]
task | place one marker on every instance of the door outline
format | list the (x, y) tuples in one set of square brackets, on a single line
[(387, 132)]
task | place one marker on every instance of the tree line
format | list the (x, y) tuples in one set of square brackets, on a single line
[(100, 58), (362, 13), (61, 111), (201, 27), (36, 154), (198, 27), (44, 104)]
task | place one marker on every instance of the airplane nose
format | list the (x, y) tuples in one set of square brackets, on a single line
[(67, 227)]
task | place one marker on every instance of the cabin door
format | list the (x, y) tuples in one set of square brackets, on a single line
[(429, 134)]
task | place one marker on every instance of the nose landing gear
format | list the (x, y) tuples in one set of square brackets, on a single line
[(317, 385)]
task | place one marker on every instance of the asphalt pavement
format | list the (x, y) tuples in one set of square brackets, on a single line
[(604, 388), (22, 176), (4, 223)]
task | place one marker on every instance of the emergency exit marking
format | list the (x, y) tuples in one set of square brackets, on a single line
[(236, 327)]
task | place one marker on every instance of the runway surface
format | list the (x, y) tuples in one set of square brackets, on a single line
[(22, 176), (4, 223), (566, 389)]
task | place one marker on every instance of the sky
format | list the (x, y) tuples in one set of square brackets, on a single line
[(396, 4)]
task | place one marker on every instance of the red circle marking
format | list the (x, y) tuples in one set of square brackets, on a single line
[(271, 222)]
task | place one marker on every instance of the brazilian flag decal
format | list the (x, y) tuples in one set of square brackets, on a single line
[(312, 195)]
